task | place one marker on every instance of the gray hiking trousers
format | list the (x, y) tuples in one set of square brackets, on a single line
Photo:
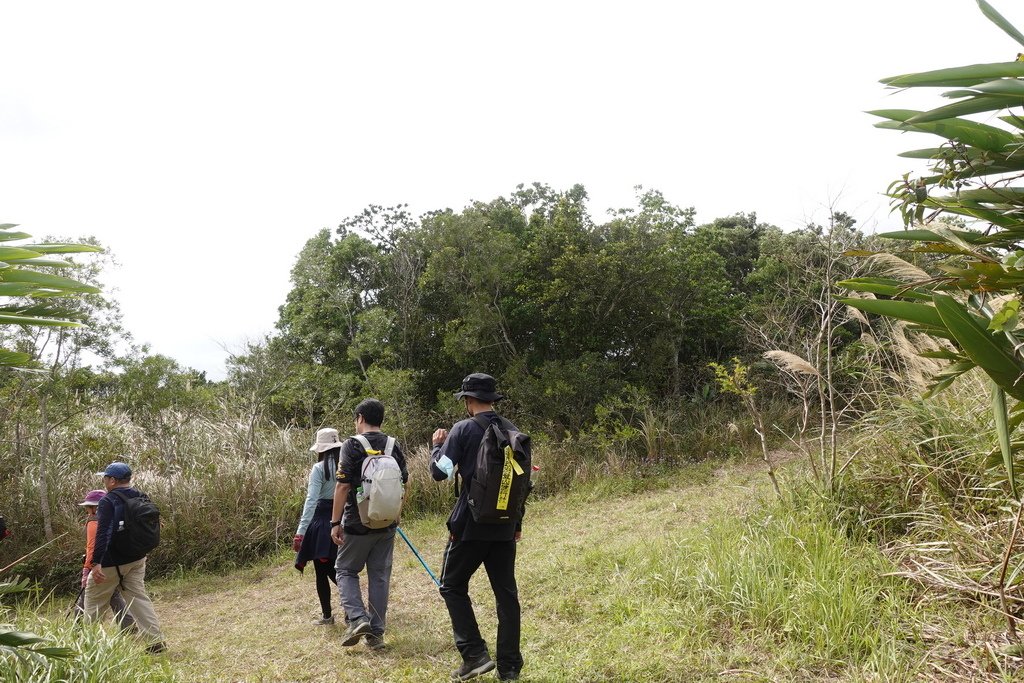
[(374, 552)]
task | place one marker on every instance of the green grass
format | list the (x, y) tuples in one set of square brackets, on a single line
[(700, 578)]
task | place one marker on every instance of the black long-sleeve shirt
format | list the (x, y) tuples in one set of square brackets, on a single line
[(460, 448)]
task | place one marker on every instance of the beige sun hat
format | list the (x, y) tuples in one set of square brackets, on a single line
[(326, 439)]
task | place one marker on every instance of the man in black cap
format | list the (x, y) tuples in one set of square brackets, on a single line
[(471, 544)]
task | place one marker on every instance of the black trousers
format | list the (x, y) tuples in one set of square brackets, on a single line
[(461, 560), (324, 581)]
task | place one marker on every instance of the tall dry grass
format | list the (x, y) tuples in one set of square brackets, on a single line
[(225, 505)]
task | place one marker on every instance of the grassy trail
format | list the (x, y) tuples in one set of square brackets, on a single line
[(694, 579), (254, 624)]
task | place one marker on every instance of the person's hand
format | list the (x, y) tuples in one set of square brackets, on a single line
[(297, 542), (519, 535), (338, 535), (85, 576), (97, 574), (439, 436)]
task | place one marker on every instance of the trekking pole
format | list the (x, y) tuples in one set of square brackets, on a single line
[(417, 554)]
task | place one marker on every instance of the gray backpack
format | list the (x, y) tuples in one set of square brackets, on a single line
[(380, 493)]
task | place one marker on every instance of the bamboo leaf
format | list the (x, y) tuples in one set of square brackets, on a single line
[(1000, 21), (17, 288), (11, 254), (1002, 86), (930, 236), (978, 135), (922, 314), (64, 248), (885, 287), (45, 279), (1007, 318), (10, 235), (974, 105), (40, 262), (16, 319), (958, 76), (1003, 432), (992, 353)]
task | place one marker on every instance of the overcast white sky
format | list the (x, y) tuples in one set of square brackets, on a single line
[(205, 142)]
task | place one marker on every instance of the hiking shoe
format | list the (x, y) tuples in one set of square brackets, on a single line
[(156, 648), (508, 676), (356, 630), (473, 668), (324, 621), (374, 642)]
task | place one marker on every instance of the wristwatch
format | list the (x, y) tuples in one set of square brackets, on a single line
[(334, 524)]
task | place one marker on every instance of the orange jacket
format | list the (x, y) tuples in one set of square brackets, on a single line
[(90, 539)]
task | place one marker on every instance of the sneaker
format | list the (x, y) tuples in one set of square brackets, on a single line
[(374, 642), (355, 631), (508, 676), (324, 621), (156, 648), (474, 668)]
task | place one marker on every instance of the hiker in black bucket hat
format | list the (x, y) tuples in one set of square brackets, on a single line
[(472, 543)]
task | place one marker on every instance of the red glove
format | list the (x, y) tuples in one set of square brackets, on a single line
[(85, 576), (297, 543)]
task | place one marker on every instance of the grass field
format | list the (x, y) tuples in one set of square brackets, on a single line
[(701, 578)]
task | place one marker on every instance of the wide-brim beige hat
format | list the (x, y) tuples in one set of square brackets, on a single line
[(326, 439)]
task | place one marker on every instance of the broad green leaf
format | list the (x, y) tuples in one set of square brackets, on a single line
[(17, 288), (8, 235), (11, 254), (978, 135), (885, 287), (903, 310), (974, 105), (1000, 21), (1003, 432), (63, 248), (1002, 86), (41, 262), (47, 280), (15, 319), (951, 356), (994, 195), (1007, 318), (992, 353), (45, 310), (929, 236), (958, 76)]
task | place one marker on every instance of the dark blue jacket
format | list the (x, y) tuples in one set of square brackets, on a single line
[(110, 515)]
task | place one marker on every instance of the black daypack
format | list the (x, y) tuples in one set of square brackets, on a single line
[(141, 531), (501, 480)]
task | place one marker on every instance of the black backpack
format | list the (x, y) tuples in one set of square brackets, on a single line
[(141, 532), (501, 480)]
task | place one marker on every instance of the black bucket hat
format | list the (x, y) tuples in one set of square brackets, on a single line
[(480, 386)]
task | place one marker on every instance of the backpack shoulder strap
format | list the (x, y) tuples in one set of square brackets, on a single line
[(483, 422), (390, 446), (364, 442), (119, 494)]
